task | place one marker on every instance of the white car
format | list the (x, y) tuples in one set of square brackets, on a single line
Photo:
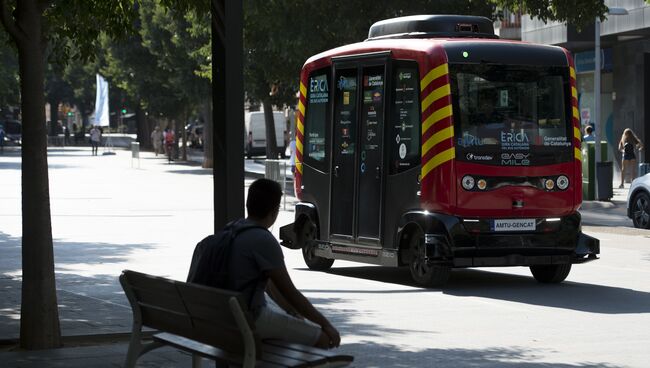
[(638, 202)]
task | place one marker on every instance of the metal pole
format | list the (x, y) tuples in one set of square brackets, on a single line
[(228, 99), (596, 115)]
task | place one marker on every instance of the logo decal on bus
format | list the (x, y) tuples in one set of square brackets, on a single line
[(513, 140), (347, 83), (515, 159), (473, 157)]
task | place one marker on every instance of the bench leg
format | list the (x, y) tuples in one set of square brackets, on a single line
[(137, 349)]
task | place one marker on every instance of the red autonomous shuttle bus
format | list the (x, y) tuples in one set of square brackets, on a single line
[(434, 145)]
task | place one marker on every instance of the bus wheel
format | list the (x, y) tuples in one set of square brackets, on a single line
[(307, 237), (641, 211), (423, 272), (550, 274)]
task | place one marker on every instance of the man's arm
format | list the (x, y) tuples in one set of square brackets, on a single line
[(280, 277), (276, 295)]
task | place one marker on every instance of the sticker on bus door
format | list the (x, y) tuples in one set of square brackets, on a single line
[(512, 225)]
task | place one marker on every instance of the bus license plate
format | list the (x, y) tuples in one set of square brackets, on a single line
[(513, 225)]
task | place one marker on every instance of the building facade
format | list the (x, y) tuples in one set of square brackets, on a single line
[(625, 68)]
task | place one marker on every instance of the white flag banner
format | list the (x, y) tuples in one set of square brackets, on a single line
[(101, 102)]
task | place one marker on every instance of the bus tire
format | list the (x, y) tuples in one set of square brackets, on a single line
[(307, 236), (641, 211), (423, 272), (551, 274)]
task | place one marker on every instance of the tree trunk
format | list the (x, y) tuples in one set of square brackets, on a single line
[(269, 122), (39, 318), (143, 130), (208, 127)]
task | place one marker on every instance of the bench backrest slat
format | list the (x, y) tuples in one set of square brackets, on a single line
[(197, 312)]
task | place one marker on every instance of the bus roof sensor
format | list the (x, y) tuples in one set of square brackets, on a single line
[(433, 26)]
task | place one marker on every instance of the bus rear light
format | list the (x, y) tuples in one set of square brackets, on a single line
[(468, 182), (562, 182), (481, 184), (549, 184)]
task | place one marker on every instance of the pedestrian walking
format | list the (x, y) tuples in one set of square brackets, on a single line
[(292, 155), (253, 264), (170, 139), (95, 139), (628, 144), (157, 139)]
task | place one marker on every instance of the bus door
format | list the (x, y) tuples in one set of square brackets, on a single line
[(358, 123)]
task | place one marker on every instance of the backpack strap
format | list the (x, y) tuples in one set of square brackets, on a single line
[(237, 229)]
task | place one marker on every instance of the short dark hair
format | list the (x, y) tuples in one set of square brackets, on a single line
[(589, 129), (263, 198)]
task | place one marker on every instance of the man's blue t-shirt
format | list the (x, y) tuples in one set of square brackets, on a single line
[(254, 252)]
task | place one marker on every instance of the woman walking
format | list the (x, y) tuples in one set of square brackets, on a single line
[(628, 144)]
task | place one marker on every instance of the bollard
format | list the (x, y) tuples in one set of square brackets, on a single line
[(135, 153), (277, 170)]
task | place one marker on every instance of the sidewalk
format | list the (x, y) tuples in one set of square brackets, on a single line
[(91, 197)]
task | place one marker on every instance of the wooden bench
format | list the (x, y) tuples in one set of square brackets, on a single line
[(208, 323)]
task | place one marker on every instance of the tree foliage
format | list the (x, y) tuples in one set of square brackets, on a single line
[(577, 12)]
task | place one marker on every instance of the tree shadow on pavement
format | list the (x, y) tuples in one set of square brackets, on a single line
[(369, 352), (516, 288), (89, 304)]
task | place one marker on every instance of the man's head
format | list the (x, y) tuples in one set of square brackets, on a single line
[(264, 199), (589, 129)]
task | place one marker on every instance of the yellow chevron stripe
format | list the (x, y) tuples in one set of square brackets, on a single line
[(303, 89), (576, 114), (433, 75), (572, 72), (299, 146), (435, 95), (436, 117), (574, 92), (301, 126), (301, 108), (577, 153), (576, 133), (446, 133), (299, 166), (437, 160)]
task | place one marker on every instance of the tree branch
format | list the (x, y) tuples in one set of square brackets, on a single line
[(8, 22)]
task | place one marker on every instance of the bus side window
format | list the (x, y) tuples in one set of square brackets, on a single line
[(404, 130), (317, 116)]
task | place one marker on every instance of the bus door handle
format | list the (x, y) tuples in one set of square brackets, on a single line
[(377, 172), (336, 171)]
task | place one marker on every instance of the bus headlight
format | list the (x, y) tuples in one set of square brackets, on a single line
[(562, 182), (549, 184), (481, 184), (468, 182)]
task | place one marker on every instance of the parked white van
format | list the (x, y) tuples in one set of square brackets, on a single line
[(255, 133)]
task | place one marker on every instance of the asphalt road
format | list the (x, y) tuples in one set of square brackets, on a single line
[(108, 216)]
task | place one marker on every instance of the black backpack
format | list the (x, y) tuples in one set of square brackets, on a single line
[(211, 256)]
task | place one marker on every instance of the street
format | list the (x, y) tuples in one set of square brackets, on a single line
[(110, 214)]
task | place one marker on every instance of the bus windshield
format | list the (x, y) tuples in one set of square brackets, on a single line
[(505, 111)]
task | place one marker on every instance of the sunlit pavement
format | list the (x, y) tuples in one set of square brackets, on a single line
[(110, 214)]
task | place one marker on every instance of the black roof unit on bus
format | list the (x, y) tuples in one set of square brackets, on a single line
[(428, 26)]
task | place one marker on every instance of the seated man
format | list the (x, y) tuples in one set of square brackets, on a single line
[(256, 264)]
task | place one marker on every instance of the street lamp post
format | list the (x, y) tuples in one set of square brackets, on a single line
[(598, 130)]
